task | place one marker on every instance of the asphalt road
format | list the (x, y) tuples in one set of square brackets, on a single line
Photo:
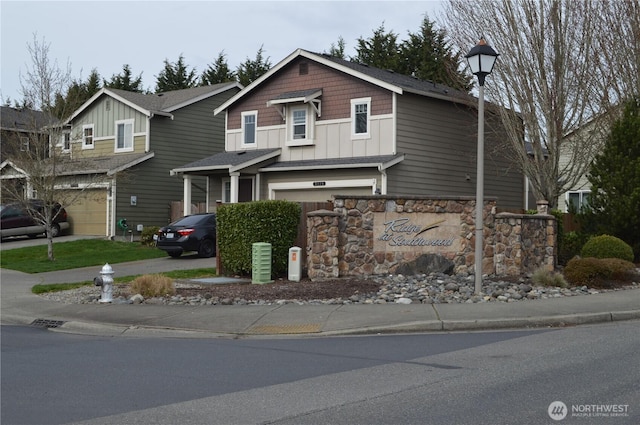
[(457, 378)]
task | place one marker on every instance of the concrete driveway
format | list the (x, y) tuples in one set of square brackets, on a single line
[(22, 241)]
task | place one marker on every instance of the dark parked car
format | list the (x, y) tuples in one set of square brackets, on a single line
[(191, 233), (17, 220)]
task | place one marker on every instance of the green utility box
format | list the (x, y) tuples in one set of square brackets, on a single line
[(261, 263)]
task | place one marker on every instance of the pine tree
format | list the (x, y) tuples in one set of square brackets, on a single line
[(77, 93), (251, 70), (125, 81), (217, 72), (175, 76), (614, 202)]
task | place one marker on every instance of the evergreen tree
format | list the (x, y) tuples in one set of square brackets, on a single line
[(175, 76), (217, 72), (77, 93), (380, 50), (614, 202), (251, 70), (428, 56), (337, 50), (125, 81)]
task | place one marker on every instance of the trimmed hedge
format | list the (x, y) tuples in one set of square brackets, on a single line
[(605, 246), (241, 225), (599, 272)]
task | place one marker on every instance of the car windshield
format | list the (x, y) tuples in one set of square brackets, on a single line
[(192, 220)]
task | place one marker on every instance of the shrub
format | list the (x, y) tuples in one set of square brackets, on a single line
[(153, 285), (548, 278), (146, 238), (605, 246), (241, 225), (599, 272), (570, 245)]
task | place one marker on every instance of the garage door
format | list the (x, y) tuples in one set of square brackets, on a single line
[(318, 195), (88, 214)]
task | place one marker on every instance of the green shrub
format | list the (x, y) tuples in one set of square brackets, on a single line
[(544, 277), (241, 225), (153, 285), (146, 238), (599, 272), (570, 245), (605, 246)]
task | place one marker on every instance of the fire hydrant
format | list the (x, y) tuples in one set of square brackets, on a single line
[(105, 281)]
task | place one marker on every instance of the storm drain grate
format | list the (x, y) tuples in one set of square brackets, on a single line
[(47, 323)]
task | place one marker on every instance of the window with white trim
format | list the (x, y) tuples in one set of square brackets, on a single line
[(66, 141), (299, 123), (124, 136), (360, 117), (577, 200), (24, 144), (87, 136), (249, 128)]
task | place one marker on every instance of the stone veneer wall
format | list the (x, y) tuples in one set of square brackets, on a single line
[(341, 242)]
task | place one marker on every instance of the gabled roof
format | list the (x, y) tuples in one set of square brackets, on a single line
[(22, 120), (230, 161), (387, 79), (158, 103)]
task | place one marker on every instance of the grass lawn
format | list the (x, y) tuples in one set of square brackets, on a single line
[(76, 254)]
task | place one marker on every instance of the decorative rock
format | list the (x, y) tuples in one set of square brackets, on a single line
[(404, 301), (137, 299)]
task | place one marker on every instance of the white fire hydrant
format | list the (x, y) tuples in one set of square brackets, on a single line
[(105, 281)]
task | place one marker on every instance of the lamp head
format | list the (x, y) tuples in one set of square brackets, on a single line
[(481, 59)]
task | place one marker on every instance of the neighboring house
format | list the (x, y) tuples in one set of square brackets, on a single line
[(17, 128), (121, 146), (315, 125)]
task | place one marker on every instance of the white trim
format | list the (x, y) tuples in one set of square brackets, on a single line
[(309, 126), (328, 184), (243, 115), (355, 102), (394, 123), (125, 123)]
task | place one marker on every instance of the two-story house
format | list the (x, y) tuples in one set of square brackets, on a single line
[(119, 147), (315, 125)]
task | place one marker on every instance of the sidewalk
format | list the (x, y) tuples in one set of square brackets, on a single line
[(20, 306)]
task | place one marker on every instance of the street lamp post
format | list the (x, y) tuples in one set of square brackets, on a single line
[(481, 59)]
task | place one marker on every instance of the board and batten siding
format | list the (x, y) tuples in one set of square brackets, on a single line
[(439, 140), (193, 133)]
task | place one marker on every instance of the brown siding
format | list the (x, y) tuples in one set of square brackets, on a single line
[(337, 91)]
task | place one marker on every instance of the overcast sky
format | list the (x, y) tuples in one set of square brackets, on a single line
[(105, 35)]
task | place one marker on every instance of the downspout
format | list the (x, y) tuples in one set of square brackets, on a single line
[(111, 208), (383, 182), (147, 141)]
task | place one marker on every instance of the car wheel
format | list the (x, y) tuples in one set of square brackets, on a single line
[(207, 249), (175, 254), (55, 230), (32, 236)]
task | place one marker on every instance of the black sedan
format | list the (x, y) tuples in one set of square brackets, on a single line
[(191, 233)]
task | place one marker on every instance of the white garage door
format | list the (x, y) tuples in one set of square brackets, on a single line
[(319, 195)]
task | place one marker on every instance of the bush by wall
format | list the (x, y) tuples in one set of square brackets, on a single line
[(605, 246), (599, 272), (570, 245), (146, 238), (241, 225)]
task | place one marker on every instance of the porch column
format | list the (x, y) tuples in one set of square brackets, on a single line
[(186, 207), (235, 179)]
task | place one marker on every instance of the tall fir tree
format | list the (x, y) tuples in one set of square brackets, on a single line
[(428, 56), (125, 81), (78, 92), (614, 202), (217, 72), (250, 70), (381, 50), (175, 76)]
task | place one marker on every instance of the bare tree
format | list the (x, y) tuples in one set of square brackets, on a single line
[(39, 165), (548, 79)]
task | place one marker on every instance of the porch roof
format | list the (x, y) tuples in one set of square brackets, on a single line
[(381, 162), (227, 161)]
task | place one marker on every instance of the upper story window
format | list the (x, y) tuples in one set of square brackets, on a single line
[(66, 141), (87, 136), (299, 123), (249, 127), (360, 117), (24, 144), (124, 136)]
